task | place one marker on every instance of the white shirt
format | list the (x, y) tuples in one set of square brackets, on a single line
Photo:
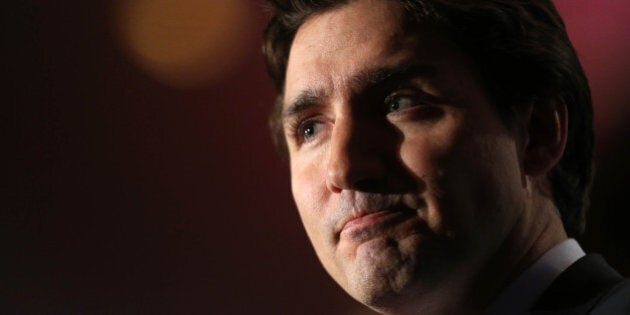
[(518, 297)]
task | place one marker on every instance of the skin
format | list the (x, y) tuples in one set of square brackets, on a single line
[(414, 194)]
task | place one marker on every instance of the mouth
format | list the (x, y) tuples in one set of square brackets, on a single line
[(370, 223), (366, 220)]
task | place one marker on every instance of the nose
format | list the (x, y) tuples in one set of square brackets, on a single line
[(356, 157)]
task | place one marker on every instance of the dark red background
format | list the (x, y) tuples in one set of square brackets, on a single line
[(125, 196)]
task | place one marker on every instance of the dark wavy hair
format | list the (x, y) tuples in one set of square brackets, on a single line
[(524, 56)]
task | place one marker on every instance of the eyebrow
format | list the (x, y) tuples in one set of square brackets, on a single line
[(364, 80), (305, 100), (371, 78)]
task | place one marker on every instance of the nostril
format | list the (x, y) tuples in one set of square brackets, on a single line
[(362, 174), (333, 188)]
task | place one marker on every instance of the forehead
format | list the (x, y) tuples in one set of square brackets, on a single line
[(348, 24), (343, 39)]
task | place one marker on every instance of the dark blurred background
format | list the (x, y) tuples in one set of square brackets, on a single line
[(140, 177)]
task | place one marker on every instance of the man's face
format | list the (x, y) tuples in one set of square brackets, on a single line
[(404, 176)]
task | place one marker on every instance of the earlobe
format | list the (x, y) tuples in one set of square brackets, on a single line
[(547, 136)]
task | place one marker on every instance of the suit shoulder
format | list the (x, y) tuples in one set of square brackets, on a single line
[(616, 301)]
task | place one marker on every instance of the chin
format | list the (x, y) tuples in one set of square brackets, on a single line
[(382, 271), (386, 272)]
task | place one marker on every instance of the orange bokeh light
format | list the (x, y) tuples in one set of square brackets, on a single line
[(184, 43)]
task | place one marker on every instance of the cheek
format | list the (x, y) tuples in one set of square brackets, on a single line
[(461, 176), (425, 153), (481, 187), (427, 158), (427, 145), (422, 157), (316, 211), (309, 193)]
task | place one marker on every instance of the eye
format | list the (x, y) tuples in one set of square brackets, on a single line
[(405, 99), (399, 102), (308, 129)]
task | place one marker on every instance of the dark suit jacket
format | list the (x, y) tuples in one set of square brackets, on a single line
[(589, 286)]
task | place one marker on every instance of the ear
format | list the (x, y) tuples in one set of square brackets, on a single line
[(546, 136)]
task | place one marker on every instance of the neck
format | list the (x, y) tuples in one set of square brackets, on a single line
[(539, 229), (514, 257)]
